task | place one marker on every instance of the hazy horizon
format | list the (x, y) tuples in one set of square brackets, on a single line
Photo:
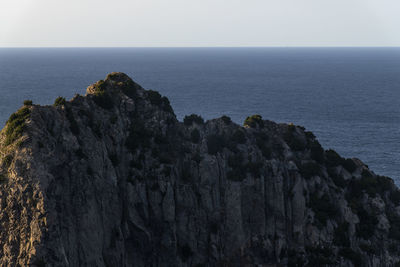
[(217, 23)]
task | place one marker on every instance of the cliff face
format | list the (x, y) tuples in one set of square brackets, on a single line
[(113, 179)]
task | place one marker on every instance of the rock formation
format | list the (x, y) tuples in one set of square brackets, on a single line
[(112, 178)]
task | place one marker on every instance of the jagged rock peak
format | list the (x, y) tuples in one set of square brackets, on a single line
[(114, 179)]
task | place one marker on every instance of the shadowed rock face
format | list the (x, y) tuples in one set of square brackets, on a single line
[(113, 179)]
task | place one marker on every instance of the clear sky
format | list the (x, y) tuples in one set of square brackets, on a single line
[(199, 23)]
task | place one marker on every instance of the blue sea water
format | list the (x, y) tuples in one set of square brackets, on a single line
[(349, 97)]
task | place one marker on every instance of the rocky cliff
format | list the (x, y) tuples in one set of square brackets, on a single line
[(112, 178)]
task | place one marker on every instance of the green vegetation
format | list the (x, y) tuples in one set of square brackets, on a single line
[(341, 235), (80, 154), (367, 224), (226, 119), (370, 184), (333, 159), (28, 102), (156, 99), (238, 173), (238, 137), (73, 125), (292, 138), (394, 219), (7, 160), (319, 256), (128, 88), (186, 252), (336, 178), (351, 255), (195, 136), (309, 169), (316, 151), (215, 144), (16, 124), (101, 97), (349, 165), (369, 249), (60, 101), (138, 136), (261, 141), (3, 178), (193, 118), (395, 196), (186, 175), (323, 208), (253, 121)]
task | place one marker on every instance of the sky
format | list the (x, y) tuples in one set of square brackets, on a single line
[(187, 23)]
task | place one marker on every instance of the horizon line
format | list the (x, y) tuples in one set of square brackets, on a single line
[(350, 46)]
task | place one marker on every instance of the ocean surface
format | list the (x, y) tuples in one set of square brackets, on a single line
[(349, 97)]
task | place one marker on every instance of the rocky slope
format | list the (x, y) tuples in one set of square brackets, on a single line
[(114, 179)]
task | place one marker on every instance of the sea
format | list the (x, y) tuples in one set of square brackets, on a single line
[(348, 97)]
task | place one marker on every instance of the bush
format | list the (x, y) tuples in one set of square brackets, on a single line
[(293, 140), (73, 125), (394, 219), (367, 224), (261, 141), (332, 158), (156, 99), (395, 197), (28, 102), (226, 119), (316, 150), (7, 160), (371, 185), (337, 179), (114, 159), (238, 137), (138, 135), (128, 88), (253, 121), (101, 98), (323, 208), (351, 255), (349, 165), (188, 120), (341, 235), (195, 136), (3, 178), (309, 169), (16, 124), (215, 144), (60, 101), (186, 252)]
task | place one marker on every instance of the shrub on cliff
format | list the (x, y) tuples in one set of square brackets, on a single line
[(158, 100), (101, 97), (195, 136), (238, 137), (28, 102), (60, 101), (316, 151), (193, 118), (323, 208), (215, 144), (309, 169), (7, 161), (253, 121), (16, 125), (226, 119)]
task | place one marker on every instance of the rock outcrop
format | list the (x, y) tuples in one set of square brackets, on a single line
[(112, 178)]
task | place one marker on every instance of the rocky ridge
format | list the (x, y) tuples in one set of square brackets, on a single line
[(112, 178)]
